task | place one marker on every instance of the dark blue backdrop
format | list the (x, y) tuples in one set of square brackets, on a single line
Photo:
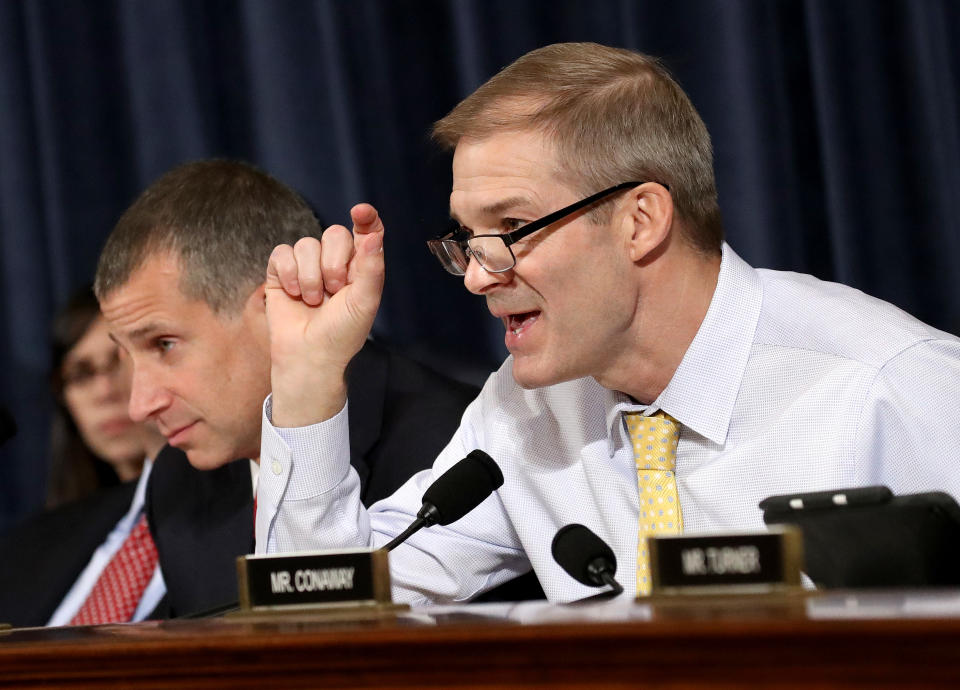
[(835, 125)]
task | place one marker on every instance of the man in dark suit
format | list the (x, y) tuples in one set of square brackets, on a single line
[(180, 282)]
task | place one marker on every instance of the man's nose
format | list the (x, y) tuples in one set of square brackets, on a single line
[(478, 280), (147, 396)]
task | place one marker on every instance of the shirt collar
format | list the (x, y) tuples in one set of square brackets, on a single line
[(704, 388), (254, 475), (139, 495)]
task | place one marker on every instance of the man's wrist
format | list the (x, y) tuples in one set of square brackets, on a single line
[(299, 401)]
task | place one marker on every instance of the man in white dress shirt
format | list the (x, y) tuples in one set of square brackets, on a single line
[(627, 302)]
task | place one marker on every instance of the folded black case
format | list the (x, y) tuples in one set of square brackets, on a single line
[(867, 537)]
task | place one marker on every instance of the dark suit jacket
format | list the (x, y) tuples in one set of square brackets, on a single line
[(401, 417), (42, 558)]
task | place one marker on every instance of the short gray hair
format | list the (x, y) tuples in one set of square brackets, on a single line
[(221, 218)]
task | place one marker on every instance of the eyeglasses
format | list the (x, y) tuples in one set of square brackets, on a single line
[(493, 252)]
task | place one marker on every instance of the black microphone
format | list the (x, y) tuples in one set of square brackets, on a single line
[(585, 557), (455, 493)]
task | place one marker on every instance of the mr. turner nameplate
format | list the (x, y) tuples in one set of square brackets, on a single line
[(727, 562)]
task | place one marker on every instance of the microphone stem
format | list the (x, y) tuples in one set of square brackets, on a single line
[(402, 537), (608, 580)]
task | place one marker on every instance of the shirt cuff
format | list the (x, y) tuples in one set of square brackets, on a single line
[(308, 461)]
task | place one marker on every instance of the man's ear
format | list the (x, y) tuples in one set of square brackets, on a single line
[(647, 219), (257, 300)]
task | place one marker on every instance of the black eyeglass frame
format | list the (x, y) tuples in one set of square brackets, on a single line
[(435, 245)]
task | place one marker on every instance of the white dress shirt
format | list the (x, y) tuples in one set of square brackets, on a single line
[(791, 384), (84, 584)]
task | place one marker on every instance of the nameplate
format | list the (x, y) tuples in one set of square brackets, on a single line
[(316, 579), (696, 564)]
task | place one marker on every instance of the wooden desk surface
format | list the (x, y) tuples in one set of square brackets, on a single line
[(850, 639)]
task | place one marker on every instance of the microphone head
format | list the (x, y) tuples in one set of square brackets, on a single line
[(576, 548), (463, 487)]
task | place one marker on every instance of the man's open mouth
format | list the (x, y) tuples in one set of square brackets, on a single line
[(517, 323)]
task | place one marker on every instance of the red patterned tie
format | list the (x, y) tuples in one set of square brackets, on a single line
[(115, 596)]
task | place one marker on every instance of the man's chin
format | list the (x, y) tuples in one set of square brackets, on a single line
[(205, 460), (528, 376)]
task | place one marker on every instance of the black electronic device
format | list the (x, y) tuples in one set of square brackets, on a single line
[(867, 537)]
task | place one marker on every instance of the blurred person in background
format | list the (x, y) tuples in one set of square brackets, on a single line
[(93, 441)]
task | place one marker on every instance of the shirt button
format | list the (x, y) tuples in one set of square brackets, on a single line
[(276, 467)]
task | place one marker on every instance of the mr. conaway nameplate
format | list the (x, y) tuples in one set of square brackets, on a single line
[(720, 563), (319, 579)]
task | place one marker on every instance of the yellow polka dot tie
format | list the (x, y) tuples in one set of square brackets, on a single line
[(654, 442)]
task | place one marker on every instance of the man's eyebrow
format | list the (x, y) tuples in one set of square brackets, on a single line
[(142, 333), (498, 207)]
